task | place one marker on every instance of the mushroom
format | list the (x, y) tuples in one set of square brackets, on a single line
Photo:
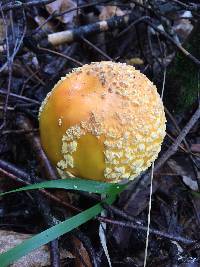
[(104, 121)]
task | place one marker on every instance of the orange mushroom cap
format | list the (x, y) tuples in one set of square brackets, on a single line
[(104, 121)]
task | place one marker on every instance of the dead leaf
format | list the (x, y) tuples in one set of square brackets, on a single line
[(109, 11), (37, 258), (183, 28), (187, 177), (190, 183), (81, 254), (60, 6)]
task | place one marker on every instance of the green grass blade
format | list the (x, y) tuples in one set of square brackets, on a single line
[(74, 184), (51, 233)]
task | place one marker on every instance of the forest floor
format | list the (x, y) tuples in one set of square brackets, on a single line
[(159, 38)]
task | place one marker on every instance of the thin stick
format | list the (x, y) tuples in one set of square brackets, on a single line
[(61, 55), (21, 98), (173, 148), (128, 224), (97, 49), (45, 166)]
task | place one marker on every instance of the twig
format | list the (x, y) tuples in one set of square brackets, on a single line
[(96, 48), (173, 148), (61, 55), (97, 27), (122, 213), (20, 98), (143, 228), (25, 124)]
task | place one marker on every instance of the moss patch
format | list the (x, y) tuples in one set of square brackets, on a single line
[(183, 76)]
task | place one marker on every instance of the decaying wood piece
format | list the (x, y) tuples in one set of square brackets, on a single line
[(97, 27)]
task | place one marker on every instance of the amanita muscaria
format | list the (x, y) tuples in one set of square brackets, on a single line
[(104, 121)]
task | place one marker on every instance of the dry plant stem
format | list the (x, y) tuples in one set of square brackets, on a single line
[(97, 27), (61, 55), (19, 176), (34, 140), (97, 49), (143, 228)]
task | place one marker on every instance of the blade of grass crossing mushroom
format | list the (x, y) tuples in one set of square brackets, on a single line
[(54, 232), (72, 184), (151, 187)]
